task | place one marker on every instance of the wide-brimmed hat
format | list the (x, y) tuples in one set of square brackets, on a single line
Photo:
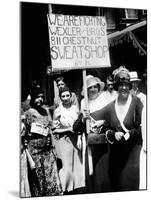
[(91, 81), (122, 76), (95, 81), (134, 76)]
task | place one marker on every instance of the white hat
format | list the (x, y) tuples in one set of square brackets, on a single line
[(91, 81), (134, 76)]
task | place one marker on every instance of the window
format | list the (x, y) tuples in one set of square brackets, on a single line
[(130, 14)]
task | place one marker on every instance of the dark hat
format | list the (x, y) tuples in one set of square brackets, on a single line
[(122, 76), (35, 92)]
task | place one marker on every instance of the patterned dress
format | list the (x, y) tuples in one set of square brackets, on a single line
[(43, 178)]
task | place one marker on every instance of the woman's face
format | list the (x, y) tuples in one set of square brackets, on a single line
[(93, 92), (65, 97), (123, 90), (39, 100), (60, 84)]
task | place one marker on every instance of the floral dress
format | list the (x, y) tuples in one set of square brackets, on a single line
[(43, 174)]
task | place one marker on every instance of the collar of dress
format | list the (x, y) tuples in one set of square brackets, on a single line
[(121, 116)]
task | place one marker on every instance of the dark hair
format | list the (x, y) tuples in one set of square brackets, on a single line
[(110, 78), (34, 93), (64, 89), (60, 78)]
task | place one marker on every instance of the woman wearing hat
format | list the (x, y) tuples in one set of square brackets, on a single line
[(42, 172), (95, 89), (123, 120), (71, 173), (96, 139)]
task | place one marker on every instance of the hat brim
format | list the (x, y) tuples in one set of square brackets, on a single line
[(135, 79), (101, 84)]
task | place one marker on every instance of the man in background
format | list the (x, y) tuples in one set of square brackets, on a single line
[(61, 84), (110, 93)]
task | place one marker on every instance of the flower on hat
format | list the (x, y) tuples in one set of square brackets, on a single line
[(121, 75), (119, 70)]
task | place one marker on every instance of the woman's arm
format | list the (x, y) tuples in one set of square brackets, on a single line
[(135, 132)]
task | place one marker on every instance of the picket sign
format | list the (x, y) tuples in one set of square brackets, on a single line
[(78, 42), (90, 162)]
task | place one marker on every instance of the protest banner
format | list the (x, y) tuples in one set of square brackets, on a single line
[(78, 42)]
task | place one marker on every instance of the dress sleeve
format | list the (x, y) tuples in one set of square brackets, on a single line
[(135, 132)]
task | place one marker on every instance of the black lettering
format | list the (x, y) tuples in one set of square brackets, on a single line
[(53, 52), (74, 52), (87, 52)]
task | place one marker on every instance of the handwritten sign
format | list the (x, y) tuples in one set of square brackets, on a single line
[(78, 42)]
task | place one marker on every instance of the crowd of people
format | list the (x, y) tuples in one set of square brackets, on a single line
[(99, 147)]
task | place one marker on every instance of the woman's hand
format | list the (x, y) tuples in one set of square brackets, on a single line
[(95, 126), (86, 114), (55, 124), (98, 124), (119, 135)]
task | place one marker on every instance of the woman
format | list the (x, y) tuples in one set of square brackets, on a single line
[(97, 145), (123, 133), (42, 171), (95, 89), (71, 173), (60, 83)]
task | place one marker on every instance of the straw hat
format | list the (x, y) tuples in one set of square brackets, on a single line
[(134, 76), (95, 81), (91, 81)]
